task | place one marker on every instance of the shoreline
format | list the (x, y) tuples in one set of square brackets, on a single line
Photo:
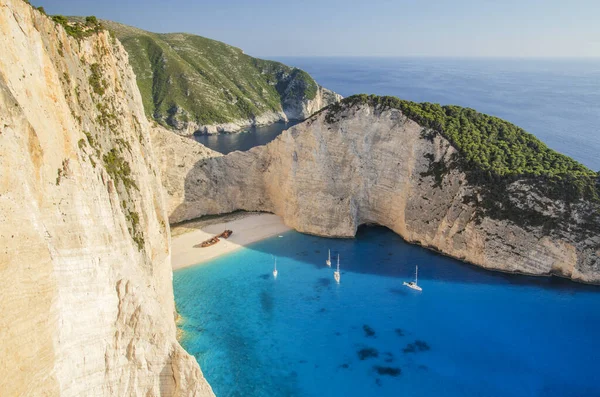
[(250, 227), (247, 228)]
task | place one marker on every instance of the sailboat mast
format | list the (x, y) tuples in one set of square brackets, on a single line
[(416, 274), (338, 263)]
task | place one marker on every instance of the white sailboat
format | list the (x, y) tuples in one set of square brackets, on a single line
[(336, 274), (328, 261), (413, 284), (275, 269)]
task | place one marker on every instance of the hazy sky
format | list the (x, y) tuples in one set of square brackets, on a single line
[(459, 28)]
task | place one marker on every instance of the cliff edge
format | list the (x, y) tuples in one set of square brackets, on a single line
[(468, 185), (85, 275)]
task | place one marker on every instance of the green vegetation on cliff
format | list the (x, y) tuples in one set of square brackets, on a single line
[(492, 149), (187, 78), (487, 142), (77, 28)]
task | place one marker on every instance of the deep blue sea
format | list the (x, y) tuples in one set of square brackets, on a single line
[(470, 332)]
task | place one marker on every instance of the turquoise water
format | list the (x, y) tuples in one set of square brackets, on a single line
[(469, 333)]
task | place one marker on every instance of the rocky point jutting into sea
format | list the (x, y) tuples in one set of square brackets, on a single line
[(366, 162), (192, 84), (85, 270)]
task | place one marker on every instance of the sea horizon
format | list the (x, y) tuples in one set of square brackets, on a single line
[(516, 58)]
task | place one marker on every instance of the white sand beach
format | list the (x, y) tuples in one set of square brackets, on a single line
[(247, 228)]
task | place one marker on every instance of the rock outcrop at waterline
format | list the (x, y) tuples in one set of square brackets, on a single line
[(86, 292), (358, 164)]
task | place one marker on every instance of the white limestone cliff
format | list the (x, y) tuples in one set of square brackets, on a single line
[(373, 166), (175, 154), (85, 278), (300, 110)]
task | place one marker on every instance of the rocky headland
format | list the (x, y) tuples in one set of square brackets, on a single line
[(191, 84), (508, 203)]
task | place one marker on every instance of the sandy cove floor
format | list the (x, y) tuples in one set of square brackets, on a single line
[(247, 228)]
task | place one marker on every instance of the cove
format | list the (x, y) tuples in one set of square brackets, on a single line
[(245, 140), (470, 332)]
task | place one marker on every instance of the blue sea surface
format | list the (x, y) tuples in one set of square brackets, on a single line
[(471, 332), (245, 140)]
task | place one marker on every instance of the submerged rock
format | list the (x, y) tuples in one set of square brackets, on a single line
[(389, 371), (369, 332), (367, 352), (417, 346), (389, 357)]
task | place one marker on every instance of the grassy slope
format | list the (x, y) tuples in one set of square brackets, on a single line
[(212, 81)]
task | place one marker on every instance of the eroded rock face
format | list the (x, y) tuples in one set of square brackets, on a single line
[(372, 166), (85, 276), (175, 156), (301, 109)]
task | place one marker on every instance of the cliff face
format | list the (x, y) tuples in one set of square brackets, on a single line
[(85, 276), (296, 108), (175, 155), (363, 165), (193, 84)]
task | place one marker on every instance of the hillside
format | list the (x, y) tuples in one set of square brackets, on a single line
[(191, 83)]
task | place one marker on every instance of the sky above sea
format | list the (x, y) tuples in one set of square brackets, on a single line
[(481, 28)]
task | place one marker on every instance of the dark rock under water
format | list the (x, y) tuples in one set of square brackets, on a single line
[(389, 371), (367, 352)]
